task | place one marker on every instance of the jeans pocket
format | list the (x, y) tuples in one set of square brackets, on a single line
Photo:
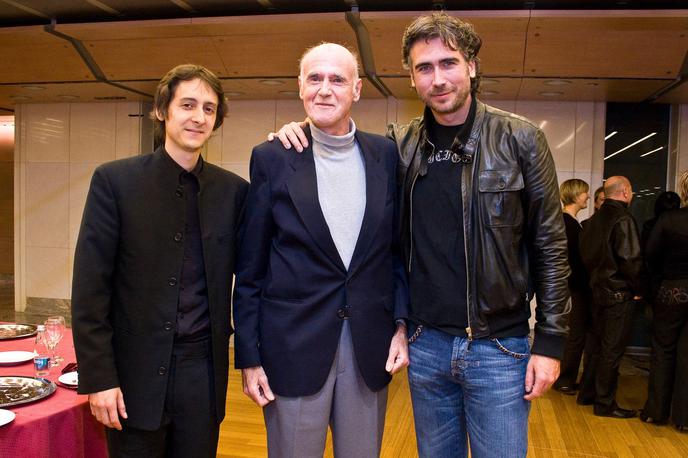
[(514, 354)]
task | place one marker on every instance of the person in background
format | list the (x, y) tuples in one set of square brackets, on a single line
[(610, 250), (666, 254), (152, 281), (574, 197), (598, 198), (321, 294)]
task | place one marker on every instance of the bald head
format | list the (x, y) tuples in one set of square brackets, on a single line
[(618, 188), (329, 49)]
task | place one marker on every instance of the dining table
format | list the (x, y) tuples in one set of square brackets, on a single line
[(59, 425)]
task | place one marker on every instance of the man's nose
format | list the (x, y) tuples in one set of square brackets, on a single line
[(325, 88), (438, 78)]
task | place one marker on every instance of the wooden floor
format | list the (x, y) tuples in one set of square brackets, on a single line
[(558, 427)]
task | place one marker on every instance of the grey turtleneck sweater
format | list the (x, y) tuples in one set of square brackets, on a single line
[(340, 173)]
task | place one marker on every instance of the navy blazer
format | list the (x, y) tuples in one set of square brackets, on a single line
[(291, 286)]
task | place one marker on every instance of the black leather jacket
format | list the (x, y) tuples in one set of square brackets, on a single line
[(513, 228), (610, 249)]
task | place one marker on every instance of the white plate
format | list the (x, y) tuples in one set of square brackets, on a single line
[(6, 416), (69, 379), (15, 357)]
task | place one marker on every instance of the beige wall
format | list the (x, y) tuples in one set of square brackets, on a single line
[(6, 194), (59, 146)]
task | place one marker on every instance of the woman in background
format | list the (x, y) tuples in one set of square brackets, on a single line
[(667, 256), (574, 196)]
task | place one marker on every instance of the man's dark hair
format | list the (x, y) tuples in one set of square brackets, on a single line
[(668, 200), (167, 86), (454, 33)]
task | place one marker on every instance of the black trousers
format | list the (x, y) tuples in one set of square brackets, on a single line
[(612, 323), (668, 378), (189, 426), (580, 324)]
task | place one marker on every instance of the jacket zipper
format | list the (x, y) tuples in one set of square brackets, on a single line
[(469, 331)]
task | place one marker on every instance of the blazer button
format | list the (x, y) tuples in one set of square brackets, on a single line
[(162, 370), (172, 281), (178, 237), (502, 184), (179, 192), (341, 313), (167, 326)]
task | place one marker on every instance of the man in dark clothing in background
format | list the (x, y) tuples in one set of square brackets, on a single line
[(610, 249)]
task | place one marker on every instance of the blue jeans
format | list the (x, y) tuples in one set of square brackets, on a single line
[(469, 392)]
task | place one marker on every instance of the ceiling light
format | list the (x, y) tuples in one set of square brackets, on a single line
[(489, 92), (20, 98), (591, 84), (234, 93), (632, 144), (68, 96), (610, 135), (551, 93), (650, 152), (557, 82), (488, 81), (31, 87), (110, 97), (272, 82)]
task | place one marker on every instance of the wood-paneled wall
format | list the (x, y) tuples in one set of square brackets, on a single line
[(6, 195)]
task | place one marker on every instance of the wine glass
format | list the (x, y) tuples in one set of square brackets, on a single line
[(54, 330)]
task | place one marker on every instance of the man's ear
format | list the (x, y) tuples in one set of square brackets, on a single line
[(159, 115), (357, 89)]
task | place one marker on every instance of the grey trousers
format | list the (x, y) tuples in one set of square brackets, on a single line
[(297, 427)]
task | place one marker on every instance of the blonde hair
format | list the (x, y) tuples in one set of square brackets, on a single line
[(683, 188), (571, 189)]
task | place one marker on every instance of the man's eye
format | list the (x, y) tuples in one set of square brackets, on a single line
[(187, 106), (210, 110)]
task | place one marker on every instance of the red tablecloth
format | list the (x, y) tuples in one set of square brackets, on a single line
[(58, 426)]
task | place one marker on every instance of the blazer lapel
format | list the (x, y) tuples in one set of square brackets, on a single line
[(303, 189), (376, 196)]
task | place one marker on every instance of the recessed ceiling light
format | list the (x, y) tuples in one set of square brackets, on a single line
[(557, 82), (591, 83), (488, 81), (272, 82), (68, 97), (110, 97), (234, 93), (551, 93), (30, 87), (20, 98), (489, 92)]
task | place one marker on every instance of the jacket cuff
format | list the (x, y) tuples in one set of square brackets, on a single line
[(549, 345)]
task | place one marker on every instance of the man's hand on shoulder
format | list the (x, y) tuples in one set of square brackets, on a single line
[(106, 405), (398, 351), (292, 134), (256, 385), (541, 373)]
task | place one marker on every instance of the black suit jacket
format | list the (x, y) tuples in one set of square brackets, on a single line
[(126, 269), (292, 288)]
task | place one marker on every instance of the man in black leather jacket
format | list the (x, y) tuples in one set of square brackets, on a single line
[(610, 249), (483, 234)]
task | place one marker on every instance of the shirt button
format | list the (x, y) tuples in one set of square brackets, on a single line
[(179, 192), (172, 281), (178, 237), (502, 184), (162, 370), (168, 326)]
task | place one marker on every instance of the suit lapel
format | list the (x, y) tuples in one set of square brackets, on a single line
[(376, 196), (303, 189)]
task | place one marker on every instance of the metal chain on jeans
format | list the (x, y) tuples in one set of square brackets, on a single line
[(415, 335), (507, 351)]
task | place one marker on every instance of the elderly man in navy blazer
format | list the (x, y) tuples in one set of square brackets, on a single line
[(320, 296)]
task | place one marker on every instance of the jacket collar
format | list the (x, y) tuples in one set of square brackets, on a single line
[(303, 189)]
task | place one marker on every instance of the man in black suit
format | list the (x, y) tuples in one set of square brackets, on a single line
[(319, 283), (152, 281)]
